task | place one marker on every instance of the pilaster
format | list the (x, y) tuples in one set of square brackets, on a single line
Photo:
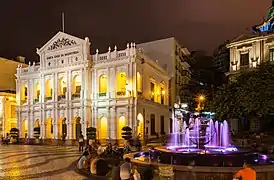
[(113, 123)]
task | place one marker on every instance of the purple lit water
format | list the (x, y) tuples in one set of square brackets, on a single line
[(187, 135)]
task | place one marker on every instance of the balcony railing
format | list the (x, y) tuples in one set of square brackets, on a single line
[(75, 96), (121, 93), (102, 94), (60, 97), (48, 98), (24, 101)]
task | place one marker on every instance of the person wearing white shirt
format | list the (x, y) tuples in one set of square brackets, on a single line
[(125, 170)]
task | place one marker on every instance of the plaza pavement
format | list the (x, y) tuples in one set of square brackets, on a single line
[(18, 162)]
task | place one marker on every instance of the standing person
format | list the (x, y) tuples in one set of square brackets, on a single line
[(246, 173), (125, 170), (64, 138), (81, 142)]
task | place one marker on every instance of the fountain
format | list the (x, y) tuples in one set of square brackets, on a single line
[(204, 141), (206, 144)]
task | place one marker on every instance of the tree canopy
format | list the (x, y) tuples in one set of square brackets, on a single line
[(252, 94)]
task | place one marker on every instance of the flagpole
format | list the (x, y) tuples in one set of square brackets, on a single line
[(63, 22)]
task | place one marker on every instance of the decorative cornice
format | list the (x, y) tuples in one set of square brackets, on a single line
[(60, 43)]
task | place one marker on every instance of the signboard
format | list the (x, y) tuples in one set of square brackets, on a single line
[(62, 55)]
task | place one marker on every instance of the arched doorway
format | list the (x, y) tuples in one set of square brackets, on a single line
[(121, 123), (62, 127), (36, 129), (48, 128), (140, 128), (76, 127), (103, 128), (24, 128)]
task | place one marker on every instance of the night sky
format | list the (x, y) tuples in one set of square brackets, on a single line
[(197, 24)]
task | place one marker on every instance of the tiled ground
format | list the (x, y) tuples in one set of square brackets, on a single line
[(38, 162)]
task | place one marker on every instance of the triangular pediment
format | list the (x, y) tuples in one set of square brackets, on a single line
[(60, 41), (243, 37)]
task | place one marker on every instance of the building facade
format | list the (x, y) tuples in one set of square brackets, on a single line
[(169, 53), (248, 51), (221, 58), (7, 95), (7, 112), (71, 90)]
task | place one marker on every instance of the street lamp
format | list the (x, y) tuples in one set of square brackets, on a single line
[(201, 98)]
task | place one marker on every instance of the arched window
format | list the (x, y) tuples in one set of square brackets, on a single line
[(76, 86), (121, 83), (37, 92), (62, 88), (139, 83), (48, 89), (103, 85), (24, 93)]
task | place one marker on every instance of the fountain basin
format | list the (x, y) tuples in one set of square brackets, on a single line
[(264, 172), (207, 157)]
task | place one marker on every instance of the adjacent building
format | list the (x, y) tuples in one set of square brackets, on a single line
[(70, 90), (250, 49), (169, 53), (7, 95)]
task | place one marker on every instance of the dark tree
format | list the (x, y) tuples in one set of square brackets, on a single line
[(251, 95)]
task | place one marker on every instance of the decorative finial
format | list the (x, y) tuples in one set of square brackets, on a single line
[(134, 45), (115, 48), (29, 63), (34, 63), (127, 45), (97, 51), (87, 39), (131, 44), (109, 49)]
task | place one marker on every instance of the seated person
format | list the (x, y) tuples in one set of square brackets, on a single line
[(109, 149), (93, 164), (82, 163), (100, 149)]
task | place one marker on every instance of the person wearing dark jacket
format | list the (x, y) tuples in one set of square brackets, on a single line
[(148, 173)]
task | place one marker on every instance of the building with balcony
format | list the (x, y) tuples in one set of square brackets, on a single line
[(7, 95), (71, 90), (170, 54), (250, 49)]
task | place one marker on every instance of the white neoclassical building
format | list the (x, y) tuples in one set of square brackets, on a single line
[(71, 90)]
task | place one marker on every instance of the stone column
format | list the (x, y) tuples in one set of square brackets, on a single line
[(109, 121), (130, 120), (69, 80), (69, 130), (42, 126), (113, 123), (31, 120)]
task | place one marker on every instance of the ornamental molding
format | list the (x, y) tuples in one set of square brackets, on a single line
[(62, 42)]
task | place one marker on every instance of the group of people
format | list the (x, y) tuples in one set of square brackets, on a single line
[(5, 140), (95, 159)]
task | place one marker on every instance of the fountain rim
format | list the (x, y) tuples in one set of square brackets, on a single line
[(203, 169)]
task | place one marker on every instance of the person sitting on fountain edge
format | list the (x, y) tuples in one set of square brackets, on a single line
[(245, 174)]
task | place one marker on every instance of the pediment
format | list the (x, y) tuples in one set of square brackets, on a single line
[(60, 41), (243, 37)]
